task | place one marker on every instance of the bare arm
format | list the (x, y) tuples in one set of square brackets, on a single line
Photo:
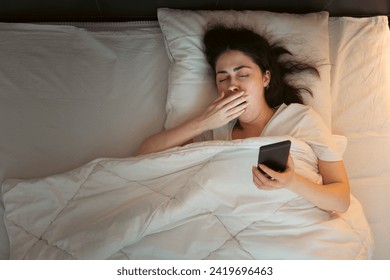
[(177, 136), (218, 113), (332, 195)]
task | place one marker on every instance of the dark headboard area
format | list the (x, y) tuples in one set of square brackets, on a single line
[(129, 10)]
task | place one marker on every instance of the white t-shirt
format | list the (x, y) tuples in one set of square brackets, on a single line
[(296, 120)]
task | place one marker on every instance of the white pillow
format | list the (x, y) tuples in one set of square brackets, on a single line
[(360, 59), (191, 85)]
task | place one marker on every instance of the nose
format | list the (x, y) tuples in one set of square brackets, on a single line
[(233, 88)]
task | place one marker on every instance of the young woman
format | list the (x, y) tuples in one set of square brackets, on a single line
[(256, 100)]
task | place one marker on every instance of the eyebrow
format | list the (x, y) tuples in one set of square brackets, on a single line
[(234, 69)]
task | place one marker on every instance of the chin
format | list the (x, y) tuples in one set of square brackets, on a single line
[(244, 118)]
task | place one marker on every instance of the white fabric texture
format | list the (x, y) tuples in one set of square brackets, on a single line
[(360, 57), (191, 86), (194, 202), (36, 128), (296, 120), (71, 94)]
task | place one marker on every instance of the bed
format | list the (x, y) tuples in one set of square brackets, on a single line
[(78, 94)]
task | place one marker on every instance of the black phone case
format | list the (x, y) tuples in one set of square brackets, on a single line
[(274, 155)]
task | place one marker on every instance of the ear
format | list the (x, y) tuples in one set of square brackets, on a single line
[(266, 78)]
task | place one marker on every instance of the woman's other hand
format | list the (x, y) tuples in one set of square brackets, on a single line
[(332, 195), (276, 180)]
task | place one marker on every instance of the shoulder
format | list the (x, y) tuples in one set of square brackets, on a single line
[(299, 112), (308, 125), (297, 108), (296, 120)]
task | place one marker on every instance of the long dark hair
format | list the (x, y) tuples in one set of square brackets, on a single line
[(272, 57)]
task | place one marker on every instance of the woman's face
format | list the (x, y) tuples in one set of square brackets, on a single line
[(235, 72)]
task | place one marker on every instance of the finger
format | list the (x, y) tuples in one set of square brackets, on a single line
[(273, 180), (270, 172), (232, 97), (234, 116), (257, 174), (220, 97), (266, 188), (290, 162), (258, 182), (237, 109), (237, 102), (235, 99), (261, 178)]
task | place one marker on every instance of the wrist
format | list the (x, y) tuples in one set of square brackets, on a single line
[(197, 126), (295, 182)]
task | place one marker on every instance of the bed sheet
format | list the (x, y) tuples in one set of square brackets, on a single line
[(360, 57), (70, 93), (38, 126)]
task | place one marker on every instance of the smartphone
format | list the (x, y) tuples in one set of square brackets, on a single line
[(274, 156)]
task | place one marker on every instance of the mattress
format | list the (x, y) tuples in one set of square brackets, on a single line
[(102, 102), (75, 92)]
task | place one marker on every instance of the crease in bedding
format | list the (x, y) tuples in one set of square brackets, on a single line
[(191, 202)]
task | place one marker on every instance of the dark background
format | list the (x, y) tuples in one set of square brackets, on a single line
[(123, 10)]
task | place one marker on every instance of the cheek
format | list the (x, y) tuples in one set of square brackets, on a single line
[(220, 87), (255, 89)]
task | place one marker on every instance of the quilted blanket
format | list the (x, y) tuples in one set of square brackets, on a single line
[(192, 202)]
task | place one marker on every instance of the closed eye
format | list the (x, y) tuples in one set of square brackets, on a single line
[(223, 79)]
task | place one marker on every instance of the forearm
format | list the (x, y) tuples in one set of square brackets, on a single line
[(217, 114), (174, 137), (331, 196)]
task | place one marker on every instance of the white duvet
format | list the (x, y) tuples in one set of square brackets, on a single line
[(193, 202)]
